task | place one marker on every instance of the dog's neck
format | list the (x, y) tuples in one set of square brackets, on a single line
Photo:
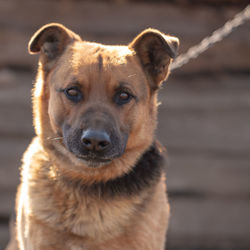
[(145, 174)]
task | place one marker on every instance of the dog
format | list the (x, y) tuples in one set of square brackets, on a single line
[(93, 177)]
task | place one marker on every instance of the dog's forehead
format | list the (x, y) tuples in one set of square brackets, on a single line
[(89, 54), (93, 64)]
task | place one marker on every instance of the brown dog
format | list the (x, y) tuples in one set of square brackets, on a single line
[(93, 178)]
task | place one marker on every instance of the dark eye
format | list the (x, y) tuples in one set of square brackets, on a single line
[(122, 97), (73, 94)]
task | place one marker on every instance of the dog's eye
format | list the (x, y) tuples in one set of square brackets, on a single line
[(73, 94), (122, 97)]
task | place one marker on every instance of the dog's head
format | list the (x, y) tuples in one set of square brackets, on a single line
[(97, 104)]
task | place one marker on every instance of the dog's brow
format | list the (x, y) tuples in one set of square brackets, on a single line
[(123, 85), (74, 81)]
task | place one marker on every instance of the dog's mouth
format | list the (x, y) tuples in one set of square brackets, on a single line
[(93, 161)]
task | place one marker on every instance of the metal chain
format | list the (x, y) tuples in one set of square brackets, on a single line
[(216, 36)]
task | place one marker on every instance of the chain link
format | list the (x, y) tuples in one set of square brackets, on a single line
[(216, 36)]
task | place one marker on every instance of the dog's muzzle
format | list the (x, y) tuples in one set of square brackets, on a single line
[(94, 146)]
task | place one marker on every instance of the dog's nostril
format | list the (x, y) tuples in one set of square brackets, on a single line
[(95, 140), (86, 141), (103, 144)]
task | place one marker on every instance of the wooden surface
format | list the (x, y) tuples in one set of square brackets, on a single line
[(204, 118)]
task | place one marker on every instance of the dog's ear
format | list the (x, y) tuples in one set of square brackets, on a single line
[(50, 41), (155, 51)]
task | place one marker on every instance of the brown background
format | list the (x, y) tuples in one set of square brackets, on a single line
[(204, 119)]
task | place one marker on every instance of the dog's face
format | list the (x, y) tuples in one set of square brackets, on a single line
[(96, 94), (100, 101)]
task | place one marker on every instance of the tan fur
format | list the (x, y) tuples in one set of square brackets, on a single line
[(54, 215)]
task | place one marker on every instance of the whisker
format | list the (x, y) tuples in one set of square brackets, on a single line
[(54, 138)]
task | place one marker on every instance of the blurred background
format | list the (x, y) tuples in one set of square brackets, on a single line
[(204, 119)]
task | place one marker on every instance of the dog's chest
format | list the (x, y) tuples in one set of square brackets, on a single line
[(80, 214)]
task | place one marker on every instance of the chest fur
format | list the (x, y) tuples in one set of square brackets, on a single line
[(80, 214)]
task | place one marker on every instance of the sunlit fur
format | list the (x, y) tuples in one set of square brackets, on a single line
[(52, 211)]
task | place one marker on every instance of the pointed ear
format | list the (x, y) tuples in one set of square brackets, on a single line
[(155, 51), (50, 41)]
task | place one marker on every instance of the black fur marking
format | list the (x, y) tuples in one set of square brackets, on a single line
[(100, 63), (145, 174)]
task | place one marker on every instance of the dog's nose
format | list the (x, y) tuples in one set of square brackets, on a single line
[(95, 140)]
